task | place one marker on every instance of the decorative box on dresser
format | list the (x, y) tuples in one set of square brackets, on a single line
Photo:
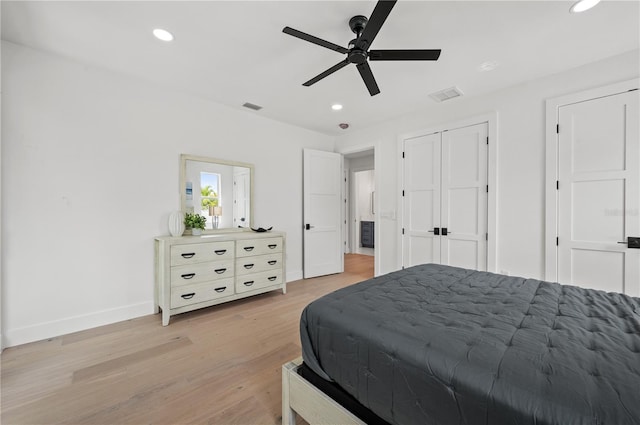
[(193, 272)]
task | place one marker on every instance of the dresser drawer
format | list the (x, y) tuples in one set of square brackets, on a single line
[(201, 252), (258, 280), (200, 292), (201, 272), (258, 263), (245, 248)]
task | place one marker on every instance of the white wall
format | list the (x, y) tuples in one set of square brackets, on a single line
[(90, 164), (521, 156)]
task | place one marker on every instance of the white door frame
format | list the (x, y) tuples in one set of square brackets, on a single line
[(551, 173), (491, 119), (375, 146)]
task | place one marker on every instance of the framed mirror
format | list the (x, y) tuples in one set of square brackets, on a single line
[(220, 190)]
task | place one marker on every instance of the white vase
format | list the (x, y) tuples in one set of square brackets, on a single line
[(176, 223), (196, 231)]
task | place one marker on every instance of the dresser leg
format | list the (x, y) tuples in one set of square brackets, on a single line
[(284, 289), (165, 318)]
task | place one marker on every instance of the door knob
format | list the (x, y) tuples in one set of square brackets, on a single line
[(308, 226)]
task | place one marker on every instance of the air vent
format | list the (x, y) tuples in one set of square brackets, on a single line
[(252, 106), (446, 94)]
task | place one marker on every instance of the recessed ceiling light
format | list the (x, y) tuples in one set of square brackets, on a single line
[(343, 125), (163, 35), (336, 106), (488, 66), (582, 5)]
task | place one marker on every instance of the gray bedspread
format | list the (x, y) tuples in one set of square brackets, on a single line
[(433, 344)]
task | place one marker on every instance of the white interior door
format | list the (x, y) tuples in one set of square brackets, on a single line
[(421, 200), (445, 199), (241, 198), (464, 197), (599, 193), (322, 213)]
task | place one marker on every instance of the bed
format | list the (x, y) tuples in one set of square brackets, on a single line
[(433, 344)]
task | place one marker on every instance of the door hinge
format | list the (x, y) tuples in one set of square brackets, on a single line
[(486, 236), (487, 140), (403, 230), (487, 188), (557, 241), (557, 184), (403, 193), (557, 128), (402, 154), (633, 89)]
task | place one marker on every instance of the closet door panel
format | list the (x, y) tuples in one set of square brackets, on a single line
[(421, 200), (464, 197)]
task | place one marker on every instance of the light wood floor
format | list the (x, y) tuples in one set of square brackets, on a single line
[(219, 365)]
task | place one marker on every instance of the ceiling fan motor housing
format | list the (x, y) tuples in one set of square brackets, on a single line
[(357, 56)]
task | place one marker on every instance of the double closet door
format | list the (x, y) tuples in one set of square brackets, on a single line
[(444, 203)]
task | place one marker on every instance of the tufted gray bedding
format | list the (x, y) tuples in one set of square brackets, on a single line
[(434, 344)]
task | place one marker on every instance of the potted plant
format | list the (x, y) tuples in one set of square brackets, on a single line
[(195, 222)]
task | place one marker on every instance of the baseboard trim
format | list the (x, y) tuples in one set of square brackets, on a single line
[(294, 275), (13, 337)]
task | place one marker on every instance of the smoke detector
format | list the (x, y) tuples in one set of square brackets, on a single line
[(446, 94)]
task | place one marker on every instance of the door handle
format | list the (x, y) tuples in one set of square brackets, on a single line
[(435, 231), (632, 242), (308, 226)]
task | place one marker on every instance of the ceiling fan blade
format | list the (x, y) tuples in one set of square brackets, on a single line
[(378, 16), (367, 76), (404, 55), (314, 40), (326, 73)]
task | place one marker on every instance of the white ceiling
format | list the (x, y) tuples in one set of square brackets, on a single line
[(234, 52)]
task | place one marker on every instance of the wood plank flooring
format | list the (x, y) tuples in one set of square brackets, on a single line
[(219, 365)]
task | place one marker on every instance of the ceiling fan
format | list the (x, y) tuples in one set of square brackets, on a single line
[(358, 51)]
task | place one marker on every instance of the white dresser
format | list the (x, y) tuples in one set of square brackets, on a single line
[(193, 272)]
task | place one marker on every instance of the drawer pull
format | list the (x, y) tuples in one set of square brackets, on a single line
[(220, 251), (221, 289), (272, 278), (249, 283), (220, 271), (248, 248), (187, 275), (188, 296), (272, 246), (248, 266), (188, 254), (272, 262)]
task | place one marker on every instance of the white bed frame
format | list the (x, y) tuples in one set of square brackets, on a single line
[(300, 397)]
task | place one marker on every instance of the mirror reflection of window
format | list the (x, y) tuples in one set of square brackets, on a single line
[(224, 187), (209, 193)]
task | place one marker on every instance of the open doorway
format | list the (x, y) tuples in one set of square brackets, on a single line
[(360, 203)]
